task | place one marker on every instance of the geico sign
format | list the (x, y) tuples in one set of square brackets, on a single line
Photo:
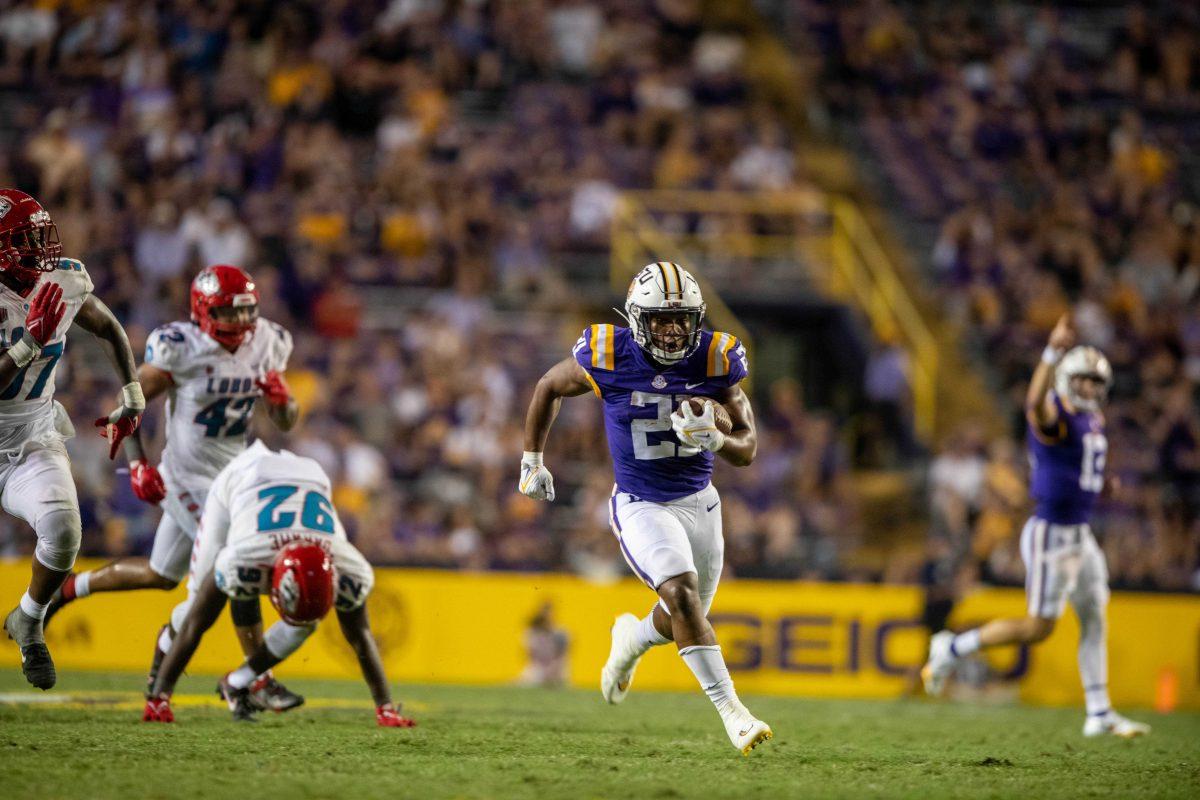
[(827, 644)]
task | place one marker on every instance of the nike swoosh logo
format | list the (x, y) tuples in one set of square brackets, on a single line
[(745, 730), (693, 385), (714, 505)]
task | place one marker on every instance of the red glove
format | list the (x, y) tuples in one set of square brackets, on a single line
[(147, 483), (117, 430), (45, 313), (275, 389), (158, 709), (389, 717), (125, 420)]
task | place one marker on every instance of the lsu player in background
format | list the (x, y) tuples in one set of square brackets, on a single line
[(1067, 450), (213, 370), (41, 294), (269, 528), (665, 512)]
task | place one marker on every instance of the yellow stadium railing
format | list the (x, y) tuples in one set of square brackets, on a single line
[(821, 234)]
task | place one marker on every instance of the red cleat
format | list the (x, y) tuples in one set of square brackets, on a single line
[(158, 709), (388, 716)]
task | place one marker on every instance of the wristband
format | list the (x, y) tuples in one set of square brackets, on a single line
[(531, 458), (24, 351), (132, 397), (1051, 355)]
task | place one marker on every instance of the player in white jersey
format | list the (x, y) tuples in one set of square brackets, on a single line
[(35, 475), (213, 369), (269, 527)]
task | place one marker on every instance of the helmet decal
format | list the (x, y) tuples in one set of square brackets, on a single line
[(208, 283), (288, 593), (5, 206)]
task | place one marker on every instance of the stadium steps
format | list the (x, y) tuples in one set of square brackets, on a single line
[(836, 166)]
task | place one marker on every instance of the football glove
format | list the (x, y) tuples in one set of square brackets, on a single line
[(388, 716), (274, 388), (147, 483), (46, 311), (697, 430), (536, 480), (125, 419)]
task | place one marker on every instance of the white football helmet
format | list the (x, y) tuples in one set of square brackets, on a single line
[(664, 288), (1083, 362)]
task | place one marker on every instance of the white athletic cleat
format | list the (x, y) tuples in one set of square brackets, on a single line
[(746, 732), (1114, 724), (617, 674), (940, 664)]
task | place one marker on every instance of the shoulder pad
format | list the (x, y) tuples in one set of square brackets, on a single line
[(167, 346), (596, 348), (73, 277), (718, 363), (281, 344)]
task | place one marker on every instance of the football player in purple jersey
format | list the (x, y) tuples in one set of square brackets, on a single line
[(664, 511), (1067, 450)]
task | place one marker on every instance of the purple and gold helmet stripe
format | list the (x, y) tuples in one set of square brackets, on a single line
[(672, 282)]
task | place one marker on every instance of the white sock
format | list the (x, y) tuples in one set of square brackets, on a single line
[(965, 643), (32, 607), (647, 635), (241, 677), (165, 639), (83, 584), (708, 665), (1093, 660)]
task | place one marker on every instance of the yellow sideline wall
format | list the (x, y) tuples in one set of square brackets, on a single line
[(839, 640)]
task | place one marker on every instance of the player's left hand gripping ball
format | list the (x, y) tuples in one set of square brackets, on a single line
[(698, 430), (388, 716), (125, 419), (275, 389), (536, 480)]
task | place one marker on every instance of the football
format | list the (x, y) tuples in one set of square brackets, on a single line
[(724, 421)]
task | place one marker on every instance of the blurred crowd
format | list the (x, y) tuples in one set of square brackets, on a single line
[(1051, 146), (404, 179), (409, 181)]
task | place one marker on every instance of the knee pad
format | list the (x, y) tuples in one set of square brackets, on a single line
[(282, 639), (58, 533)]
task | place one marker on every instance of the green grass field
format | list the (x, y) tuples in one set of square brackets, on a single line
[(528, 743)]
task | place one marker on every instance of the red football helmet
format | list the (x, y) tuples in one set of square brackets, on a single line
[(302, 583), (225, 303), (29, 243)]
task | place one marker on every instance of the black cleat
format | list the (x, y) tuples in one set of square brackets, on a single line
[(155, 663), (35, 656), (272, 695), (241, 702)]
